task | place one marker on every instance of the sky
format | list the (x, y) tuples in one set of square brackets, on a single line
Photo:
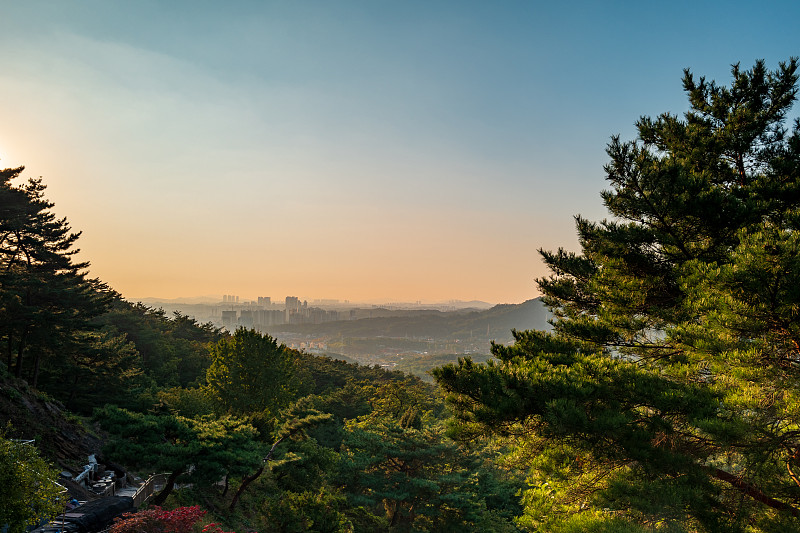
[(361, 150)]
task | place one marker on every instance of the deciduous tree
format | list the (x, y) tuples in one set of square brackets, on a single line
[(28, 489)]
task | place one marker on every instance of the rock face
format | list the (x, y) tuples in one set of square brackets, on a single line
[(60, 436)]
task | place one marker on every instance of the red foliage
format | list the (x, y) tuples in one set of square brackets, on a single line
[(158, 520), (214, 528)]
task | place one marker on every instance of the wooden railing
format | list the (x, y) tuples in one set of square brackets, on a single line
[(152, 485)]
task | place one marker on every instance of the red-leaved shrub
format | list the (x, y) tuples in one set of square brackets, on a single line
[(158, 520)]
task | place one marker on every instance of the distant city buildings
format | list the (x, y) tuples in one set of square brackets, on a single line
[(229, 319), (264, 313), (292, 304), (261, 313)]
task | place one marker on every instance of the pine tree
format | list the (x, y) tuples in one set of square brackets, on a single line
[(45, 296), (668, 391), (202, 451)]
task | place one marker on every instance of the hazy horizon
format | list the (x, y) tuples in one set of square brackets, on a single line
[(369, 151), (311, 300)]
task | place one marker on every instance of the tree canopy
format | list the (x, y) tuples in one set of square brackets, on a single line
[(667, 393), (250, 372), (28, 491), (202, 450), (45, 296)]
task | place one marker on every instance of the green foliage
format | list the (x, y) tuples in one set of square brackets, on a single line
[(107, 368), (342, 447), (172, 351), (303, 464), (397, 462), (28, 489), (328, 375), (45, 297), (200, 451), (421, 480), (294, 424), (251, 373), (588, 522), (317, 511), (191, 403), (666, 398)]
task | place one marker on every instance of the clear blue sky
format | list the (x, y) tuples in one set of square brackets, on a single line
[(409, 150)]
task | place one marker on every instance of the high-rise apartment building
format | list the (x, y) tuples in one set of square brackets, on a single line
[(292, 304)]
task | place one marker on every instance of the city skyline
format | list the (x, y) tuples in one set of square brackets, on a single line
[(293, 301), (376, 152)]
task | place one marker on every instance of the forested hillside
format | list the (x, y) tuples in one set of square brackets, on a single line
[(664, 398), (264, 437)]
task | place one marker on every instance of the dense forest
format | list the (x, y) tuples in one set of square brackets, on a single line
[(665, 398)]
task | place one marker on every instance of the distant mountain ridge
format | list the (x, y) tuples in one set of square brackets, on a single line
[(495, 323)]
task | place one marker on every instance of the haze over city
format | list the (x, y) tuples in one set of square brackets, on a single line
[(370, 151)]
